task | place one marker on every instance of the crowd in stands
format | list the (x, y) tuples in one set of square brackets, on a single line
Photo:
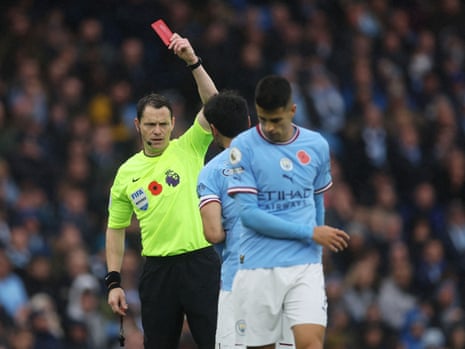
[(383, 81)]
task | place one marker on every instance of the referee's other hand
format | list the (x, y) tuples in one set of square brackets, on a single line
[(117, 301)]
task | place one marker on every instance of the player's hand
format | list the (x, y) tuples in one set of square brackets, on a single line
[(117, 301), (334, 239), (183, 49)]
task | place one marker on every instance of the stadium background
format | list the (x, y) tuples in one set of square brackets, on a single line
[(382, 80)]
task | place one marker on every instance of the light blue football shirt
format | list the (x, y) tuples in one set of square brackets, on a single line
[(285, 177), (212, 186)]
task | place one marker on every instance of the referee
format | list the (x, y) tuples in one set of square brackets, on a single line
[(181, 274)]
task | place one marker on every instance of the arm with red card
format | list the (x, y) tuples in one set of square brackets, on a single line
[(184, 50)]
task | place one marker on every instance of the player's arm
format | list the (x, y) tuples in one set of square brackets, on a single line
[(211, 220), (114, 249), (320, 209), (270, 225), (205, 85)]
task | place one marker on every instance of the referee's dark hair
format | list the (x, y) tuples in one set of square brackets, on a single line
[(228, 112)]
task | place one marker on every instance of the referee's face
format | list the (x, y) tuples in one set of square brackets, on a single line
[(155, 127)]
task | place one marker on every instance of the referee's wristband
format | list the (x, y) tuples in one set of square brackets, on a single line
[(196, 64), (112, 280)]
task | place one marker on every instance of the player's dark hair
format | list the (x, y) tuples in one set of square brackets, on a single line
[(154, 100), (273, 92), (228, 112)]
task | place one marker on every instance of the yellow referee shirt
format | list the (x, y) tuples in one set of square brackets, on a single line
[(161, 191)]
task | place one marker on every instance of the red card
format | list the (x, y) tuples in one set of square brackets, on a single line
[(162, 30)]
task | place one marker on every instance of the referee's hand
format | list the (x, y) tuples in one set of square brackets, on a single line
[(334, 239), (117, 301)]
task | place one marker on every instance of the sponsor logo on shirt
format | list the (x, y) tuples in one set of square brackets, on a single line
[(284, 199)]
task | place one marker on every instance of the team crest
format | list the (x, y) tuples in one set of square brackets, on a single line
[(235, 156), (304, 157), (240, 327), (286, 164)]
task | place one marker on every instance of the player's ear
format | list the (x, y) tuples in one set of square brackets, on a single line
[(214, 130), (294, 108)]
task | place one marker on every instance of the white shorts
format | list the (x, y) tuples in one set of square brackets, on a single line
[(263, 298), (228, 335), (287, 336)]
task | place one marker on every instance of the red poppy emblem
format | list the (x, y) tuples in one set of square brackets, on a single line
[(303, 157), (155, 188)]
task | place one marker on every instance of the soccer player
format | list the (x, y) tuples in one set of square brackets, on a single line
[(181, 274), (228, 115), (279, 174)]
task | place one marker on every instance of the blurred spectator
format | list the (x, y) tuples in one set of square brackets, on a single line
[(359, 247), (448, 305), (454, 237), (433, 338), (31, 165), (39, 278), (395, 295), (414, 330), (341, 205), (373, 332), (8, 131), (431, 268), (4, 228), (77, 336), (420, 233), (84, 305), (328, 106), (408, 159), (72, 262), (27, 95), (18, 249), (73, 210), (451, 177), (9, 190), (338, 332), (13, 295), (94, 55), (21, 338), (368, 145), (456, 336), (360, 289), (45, 322), (424, 204)]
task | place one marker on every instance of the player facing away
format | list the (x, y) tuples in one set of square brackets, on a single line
[(279, 174), (228, 115)]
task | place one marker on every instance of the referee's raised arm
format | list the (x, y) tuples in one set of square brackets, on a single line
[(205, 85)]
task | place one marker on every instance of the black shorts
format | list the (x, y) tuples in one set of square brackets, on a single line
[(177, 286)]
